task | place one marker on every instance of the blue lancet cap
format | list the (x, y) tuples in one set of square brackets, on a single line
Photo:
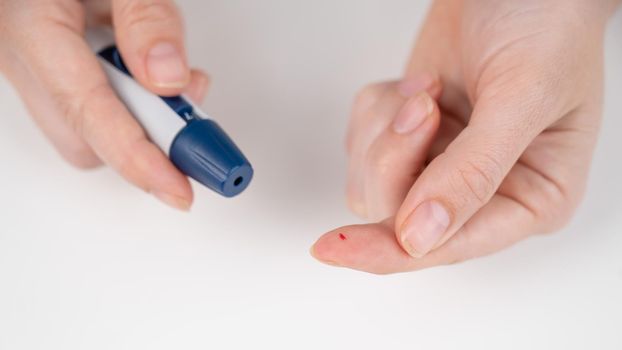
[(203, 151)]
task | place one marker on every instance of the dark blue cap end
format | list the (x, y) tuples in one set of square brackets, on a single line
[(203, 151)]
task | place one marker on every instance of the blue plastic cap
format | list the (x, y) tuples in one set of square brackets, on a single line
[(203, 151)]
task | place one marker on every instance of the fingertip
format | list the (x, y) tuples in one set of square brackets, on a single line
[(314, 254), (150, 37), (145, 165), (174, 201), (414, 113), (370, 248), (330, 247), (414, 84), (198, 86)]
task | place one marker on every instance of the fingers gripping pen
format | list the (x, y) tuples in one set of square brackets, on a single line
[(195, 144)]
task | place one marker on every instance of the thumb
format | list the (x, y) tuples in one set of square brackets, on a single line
[(151, 40), (463, 179)]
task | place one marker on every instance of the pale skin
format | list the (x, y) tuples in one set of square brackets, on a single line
[(502, 154), (486, 140), (44, 54)]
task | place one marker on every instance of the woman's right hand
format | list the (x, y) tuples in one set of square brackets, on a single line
[(44, 54)]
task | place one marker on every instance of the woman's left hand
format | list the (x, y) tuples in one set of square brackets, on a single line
[(505, 156)]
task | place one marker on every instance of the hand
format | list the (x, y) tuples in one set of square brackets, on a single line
[(43, 53), (520, 111)]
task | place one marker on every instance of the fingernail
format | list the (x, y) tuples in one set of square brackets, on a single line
[(413, 85), (173, 201), (424, 228), (166, 67), (414, 112)]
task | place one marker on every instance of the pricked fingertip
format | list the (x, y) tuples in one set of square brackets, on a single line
[(324, 261)]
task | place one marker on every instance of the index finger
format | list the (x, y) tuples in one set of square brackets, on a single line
[(374, 247)]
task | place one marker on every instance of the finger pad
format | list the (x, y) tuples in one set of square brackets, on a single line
[(371, 248)]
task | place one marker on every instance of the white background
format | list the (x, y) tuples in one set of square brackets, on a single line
[(87, 262)]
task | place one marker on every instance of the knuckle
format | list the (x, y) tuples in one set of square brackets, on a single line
[(135, 14), (553, 200), (127, 164), (72, 111), (75, 108), (558, 213), (83, 114), (133, 166), (379, 161), (478, 179), (360, 115)]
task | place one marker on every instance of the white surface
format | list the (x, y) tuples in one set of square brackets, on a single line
[(86, 262)]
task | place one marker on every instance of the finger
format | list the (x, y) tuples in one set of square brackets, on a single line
[(461, 180), (369, 247), (98, 13), (373, 111), (93, 110), (45, 113), (449, 128), (198, 86), (374, 248), (371, 95), (363, 102), (398, 155), (151, 39)]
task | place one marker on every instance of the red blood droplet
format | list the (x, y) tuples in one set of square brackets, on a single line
[(342, 237)]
